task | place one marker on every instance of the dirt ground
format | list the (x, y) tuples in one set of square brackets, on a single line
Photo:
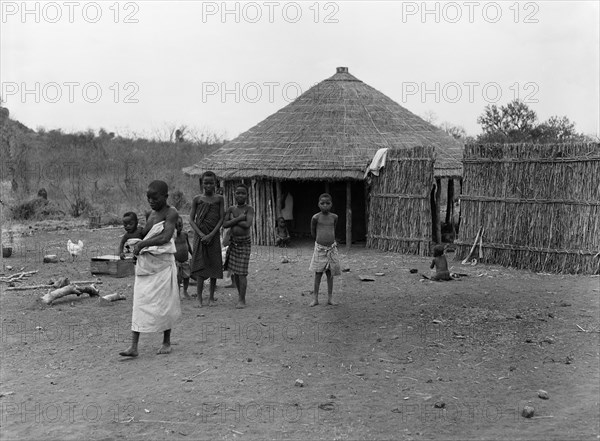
[(398, 358)]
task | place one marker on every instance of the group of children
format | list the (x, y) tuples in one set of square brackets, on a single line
[(207, 217), (166, 263)]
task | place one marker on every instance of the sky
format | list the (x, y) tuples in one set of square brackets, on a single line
[(145, 67)]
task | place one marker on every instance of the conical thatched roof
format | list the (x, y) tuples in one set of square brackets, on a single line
[(330, 132)]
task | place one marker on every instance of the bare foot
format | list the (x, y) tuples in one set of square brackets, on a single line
[(129, 353), (186, 295), (240, 305), (231, 285), (164, 349), (330, 302), (314, 303), (212, 302)]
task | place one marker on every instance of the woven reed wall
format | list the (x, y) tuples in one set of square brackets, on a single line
[(399, 202), (539, 205), (261, 196)]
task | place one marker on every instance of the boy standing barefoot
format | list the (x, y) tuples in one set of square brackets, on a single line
[(156, 305), (325, 256), (239, 218)]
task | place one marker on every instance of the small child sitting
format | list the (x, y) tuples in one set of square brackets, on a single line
[(283, 235), (133, 231), (440, 264)]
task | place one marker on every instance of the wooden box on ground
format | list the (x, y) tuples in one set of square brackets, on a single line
[(112, 266)]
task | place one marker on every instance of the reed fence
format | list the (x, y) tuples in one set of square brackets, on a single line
[(539, 206), (399, 207)]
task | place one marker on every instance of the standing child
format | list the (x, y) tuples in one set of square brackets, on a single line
[(132, 231), (182, 245), (206, 219), (239, 218), (440, 264), (325, 256), (156, 305)]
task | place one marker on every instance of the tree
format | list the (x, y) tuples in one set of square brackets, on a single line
[(516, 122), (457, 132), (511, 123), (556, 128)]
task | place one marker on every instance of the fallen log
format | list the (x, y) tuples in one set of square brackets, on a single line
[(57, 284), (67, 290), (25, 288), (15, 277), (104, 300)]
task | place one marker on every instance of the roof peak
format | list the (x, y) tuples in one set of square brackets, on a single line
[(342, 74)]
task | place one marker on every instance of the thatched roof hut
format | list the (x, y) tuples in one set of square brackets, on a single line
[(328, 134)]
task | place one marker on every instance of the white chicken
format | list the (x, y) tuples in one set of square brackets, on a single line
[(74, 249)]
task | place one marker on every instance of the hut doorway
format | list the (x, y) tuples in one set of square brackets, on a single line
[(305, 204)]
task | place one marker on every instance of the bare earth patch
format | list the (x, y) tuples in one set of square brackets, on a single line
[(398, 358)]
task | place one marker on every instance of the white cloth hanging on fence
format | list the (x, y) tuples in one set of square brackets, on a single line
[(377, 163)]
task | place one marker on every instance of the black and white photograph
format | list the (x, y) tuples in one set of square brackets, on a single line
[(300, 220)]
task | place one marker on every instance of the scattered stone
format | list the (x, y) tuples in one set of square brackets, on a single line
[(365, 278), (414, 271), (50, 258), (61, 259), (249, 360), (380, 274), (299, 383), (333, 397), (429, 381), (518, 316), (439, 405), (512, 368), (9, 268), (543, 394), (379, 340), (569, 359), (285, 260), (396, 410), (564, 304), (527, 411), (549, 340)]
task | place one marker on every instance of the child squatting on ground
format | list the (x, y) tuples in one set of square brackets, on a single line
[(440, 264), (239, 219), (206, 218), (325, 256), (132, 231), (156, 306), (282, 234), (182, 255)]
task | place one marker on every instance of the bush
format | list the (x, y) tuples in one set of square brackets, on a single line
[(36, 209)]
